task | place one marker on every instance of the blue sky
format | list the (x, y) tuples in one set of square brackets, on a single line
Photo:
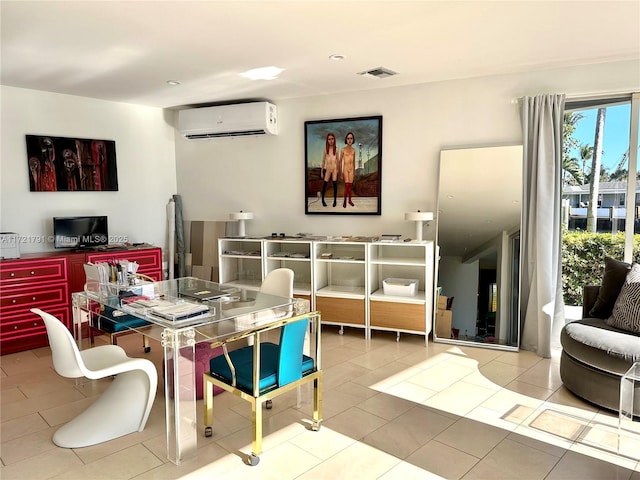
[(616, 133)]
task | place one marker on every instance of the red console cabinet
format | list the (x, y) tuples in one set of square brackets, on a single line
[(46, 281), (31, 283)]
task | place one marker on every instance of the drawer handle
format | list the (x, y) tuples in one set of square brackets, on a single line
[(35, 324), (13, 301), (32, 272), (15, 328), (13, 274), (33, 298)]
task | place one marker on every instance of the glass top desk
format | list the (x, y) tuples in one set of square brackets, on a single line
[(228, 317)]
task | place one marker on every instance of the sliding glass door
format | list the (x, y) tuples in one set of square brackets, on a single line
[(601, 200)]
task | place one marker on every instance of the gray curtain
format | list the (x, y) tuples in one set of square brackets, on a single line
[(541, 118)]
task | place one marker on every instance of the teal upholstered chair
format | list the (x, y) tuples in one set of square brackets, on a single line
[(112, 323), (280, 368)]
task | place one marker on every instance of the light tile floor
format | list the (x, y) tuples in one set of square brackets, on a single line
[(392, 410)]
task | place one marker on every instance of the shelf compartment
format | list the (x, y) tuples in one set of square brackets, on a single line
[(302, 288), (342, 291), (408, 262), (248, 284)]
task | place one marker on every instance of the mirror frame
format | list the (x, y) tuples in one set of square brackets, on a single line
[(512, 235)]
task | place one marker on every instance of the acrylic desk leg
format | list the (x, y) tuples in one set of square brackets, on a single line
[(81, 326), (180, 394), (629, 389)]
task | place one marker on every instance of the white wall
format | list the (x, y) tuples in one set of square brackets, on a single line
[(265, 175), (145, 152), (460, 280)]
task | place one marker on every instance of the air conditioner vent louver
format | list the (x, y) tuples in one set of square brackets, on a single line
[(379, 72), (226, 134)]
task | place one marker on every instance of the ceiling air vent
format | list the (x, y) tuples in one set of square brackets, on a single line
[(379, 72)]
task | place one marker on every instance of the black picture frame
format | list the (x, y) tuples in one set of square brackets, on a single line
[(323, 194), (63, 164)]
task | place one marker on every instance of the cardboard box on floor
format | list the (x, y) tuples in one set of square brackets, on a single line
[(442, 302), (204, 248), (443, 323)]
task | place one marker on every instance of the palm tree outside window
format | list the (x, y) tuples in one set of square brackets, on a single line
[(600, 172)]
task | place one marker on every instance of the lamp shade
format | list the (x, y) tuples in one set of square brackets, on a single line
[(419, 217), (241, 215)]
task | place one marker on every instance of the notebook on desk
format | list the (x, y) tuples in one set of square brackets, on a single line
[(203, 294)]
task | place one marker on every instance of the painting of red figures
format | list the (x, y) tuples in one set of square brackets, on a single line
[(60, 164), (343, 166)]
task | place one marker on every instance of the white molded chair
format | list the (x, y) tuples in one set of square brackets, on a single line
[(278, 282), (124, 406)]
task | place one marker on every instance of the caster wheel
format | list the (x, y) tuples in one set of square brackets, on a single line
[(269, 404), (252, 460), (315, 427), (208, 432), (147, 349)]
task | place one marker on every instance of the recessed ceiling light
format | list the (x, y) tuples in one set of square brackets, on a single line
[(337, 56), (173, 83), (263, 73)]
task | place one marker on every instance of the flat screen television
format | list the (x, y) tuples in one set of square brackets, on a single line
[(80, 232)]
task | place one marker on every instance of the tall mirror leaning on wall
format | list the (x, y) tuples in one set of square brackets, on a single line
[(478, 239)]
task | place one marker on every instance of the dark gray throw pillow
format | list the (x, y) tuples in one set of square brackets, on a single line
[(615, 273)]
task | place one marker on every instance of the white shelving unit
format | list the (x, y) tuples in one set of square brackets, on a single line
[(296, 255), (401, 313), (341, 279), (340, 283), (241, 262)]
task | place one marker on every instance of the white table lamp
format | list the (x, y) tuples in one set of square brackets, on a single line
[(419, 217), (241, 217)]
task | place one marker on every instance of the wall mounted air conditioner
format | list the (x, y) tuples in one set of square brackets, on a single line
[(256, 118)]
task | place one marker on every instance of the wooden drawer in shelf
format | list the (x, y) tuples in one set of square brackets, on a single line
[(343, 311), (400, 316), (32, 271)]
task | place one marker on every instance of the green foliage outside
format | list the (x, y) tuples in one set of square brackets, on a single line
[(583, 256)]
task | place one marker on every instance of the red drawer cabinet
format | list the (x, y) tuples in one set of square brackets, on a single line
[(25, 284), (24, 331), (33, 296), (19, 272), (149, 260), (47, 281)]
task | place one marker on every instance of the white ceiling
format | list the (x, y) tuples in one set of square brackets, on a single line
[(125, 51)]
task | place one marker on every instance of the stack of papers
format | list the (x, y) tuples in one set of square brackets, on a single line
[(180, 311)]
